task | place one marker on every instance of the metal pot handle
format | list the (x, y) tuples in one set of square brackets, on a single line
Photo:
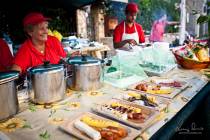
[(66, 74), (18, 86), (106, 62)]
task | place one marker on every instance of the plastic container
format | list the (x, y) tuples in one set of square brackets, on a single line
[(124, 71)]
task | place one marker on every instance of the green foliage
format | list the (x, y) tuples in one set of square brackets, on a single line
[(115, 9), (44, 135), (204, 19), (150, 8), (32, 107), (145, 15), (58, 20), (107, 7), (27, 125)]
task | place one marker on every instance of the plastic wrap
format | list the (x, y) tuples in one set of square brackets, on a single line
[(125, 70), (156, 60)]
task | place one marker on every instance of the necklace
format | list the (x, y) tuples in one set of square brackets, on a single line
[(40, 48)]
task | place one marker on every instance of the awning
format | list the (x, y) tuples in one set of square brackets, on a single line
[(70, 4), (78, 3)]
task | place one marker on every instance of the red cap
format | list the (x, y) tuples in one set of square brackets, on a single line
[(132, 7), (34, 18)]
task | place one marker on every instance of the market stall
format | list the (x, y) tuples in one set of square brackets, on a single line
[(56, 121), (135, 93)]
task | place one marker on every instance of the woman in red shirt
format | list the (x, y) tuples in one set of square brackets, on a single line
[(128, 31), (5, 56), (39, 47)]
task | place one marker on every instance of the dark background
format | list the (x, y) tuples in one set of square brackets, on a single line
[(62, 13)]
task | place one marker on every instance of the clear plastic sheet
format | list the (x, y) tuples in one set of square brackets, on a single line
[(156, 60), (125, 70)]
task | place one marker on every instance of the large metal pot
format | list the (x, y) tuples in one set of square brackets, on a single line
[(46, 83), (86, 73), (8, 100)]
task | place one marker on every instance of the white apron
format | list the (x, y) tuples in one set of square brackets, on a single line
[(134, 35)]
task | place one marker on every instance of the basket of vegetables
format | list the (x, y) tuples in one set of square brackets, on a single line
[(192, 56)]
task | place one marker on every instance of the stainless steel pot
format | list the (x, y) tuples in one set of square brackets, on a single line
[(8, 100), (46, 83), (86, 74)]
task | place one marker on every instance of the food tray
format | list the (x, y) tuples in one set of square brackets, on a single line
[(162, 103), (183, 83), (68, 126), (150, 113), (175, 90)]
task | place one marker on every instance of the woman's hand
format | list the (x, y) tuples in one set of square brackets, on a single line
[(77, 53)]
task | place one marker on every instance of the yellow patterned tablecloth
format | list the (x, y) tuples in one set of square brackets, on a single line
[(35, 122)]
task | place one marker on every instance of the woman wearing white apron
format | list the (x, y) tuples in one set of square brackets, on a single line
[(129, 32)]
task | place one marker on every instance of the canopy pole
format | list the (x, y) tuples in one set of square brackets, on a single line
[(182, 21)]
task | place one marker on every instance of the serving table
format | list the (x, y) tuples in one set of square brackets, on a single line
[(37, 122)]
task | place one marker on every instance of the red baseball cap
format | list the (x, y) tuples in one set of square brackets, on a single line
[(34, 18), (132, 7)]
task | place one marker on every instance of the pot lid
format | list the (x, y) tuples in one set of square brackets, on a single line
[(8, 76), (82, 60), (46, 67)]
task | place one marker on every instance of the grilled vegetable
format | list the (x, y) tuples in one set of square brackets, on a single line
[(128, 108)]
